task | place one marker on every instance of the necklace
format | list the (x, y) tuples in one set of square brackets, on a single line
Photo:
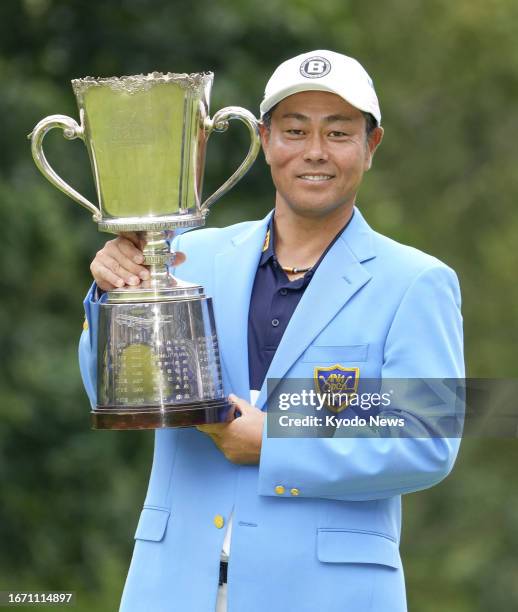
[(295, 270)]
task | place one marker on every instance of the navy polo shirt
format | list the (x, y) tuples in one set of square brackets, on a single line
[(273, 301)]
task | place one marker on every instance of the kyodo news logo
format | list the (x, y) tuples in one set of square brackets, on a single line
[(315, 67)]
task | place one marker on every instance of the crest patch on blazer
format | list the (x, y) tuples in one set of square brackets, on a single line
[(336, 384)]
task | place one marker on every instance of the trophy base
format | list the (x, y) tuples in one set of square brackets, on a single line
[(154, 417)]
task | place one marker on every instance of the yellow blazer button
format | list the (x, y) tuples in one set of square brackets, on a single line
[(85, 325), (219, 521), (294, 491), (279, 489)]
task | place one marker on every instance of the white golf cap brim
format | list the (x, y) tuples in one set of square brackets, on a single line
[(323, 71)]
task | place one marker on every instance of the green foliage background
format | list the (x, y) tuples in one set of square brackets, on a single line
[(444, 181)]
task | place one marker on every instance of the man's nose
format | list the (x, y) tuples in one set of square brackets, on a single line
[(315, 150)]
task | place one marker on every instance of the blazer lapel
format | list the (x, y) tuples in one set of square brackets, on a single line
[(339, 276), (235, 270)]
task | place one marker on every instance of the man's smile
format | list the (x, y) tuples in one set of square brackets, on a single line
[(316, 178)]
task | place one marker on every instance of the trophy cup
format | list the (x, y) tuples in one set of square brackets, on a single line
[(157, 351)]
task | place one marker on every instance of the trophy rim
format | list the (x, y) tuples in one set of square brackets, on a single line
[(137, 82), (115, 225)]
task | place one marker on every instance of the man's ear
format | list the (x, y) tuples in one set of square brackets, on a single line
[(373, 142), (264, 133)]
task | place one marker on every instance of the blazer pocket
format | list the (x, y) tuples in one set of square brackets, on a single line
[(336, 354), (152, 524), (343, 546)]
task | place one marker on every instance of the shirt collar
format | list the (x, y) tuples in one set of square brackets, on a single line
[(268, 252)]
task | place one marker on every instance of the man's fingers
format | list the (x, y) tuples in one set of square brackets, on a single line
[(240, 404), (123, 270), (104, 277), (120, 257), (129, 250), (135, 238), (132, 259), (231, 414), (179, 258), (120, 262)]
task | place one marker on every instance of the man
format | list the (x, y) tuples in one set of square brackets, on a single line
[(314, 523)]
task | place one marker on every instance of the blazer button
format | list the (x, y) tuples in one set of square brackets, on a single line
[(294, 491), (279, 489), (219, 521)]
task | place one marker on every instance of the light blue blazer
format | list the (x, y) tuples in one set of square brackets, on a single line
[(383, 307)]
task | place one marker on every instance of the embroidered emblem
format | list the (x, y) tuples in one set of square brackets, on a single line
[(315, 67), (336, 384)]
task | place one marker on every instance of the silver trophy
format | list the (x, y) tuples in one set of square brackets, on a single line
[(146, 135)]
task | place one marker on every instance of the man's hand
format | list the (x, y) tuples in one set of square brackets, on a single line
[(239, 439), (120, 261)]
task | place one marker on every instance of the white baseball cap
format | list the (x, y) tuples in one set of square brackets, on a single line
[(323, 71)]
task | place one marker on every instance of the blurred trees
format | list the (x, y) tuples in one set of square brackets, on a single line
[(443, 181)]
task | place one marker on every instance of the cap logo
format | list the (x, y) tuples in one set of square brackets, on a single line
[(315, 67)]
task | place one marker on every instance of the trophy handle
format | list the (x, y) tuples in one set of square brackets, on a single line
[(219, 123), (71, 129)]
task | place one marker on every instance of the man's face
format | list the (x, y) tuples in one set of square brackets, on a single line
[(317, 152)]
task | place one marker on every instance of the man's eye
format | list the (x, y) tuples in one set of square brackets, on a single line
[(295, 132), (337, 134)]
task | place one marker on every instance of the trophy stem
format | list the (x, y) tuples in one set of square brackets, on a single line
[(161, 285), (158, 258)]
